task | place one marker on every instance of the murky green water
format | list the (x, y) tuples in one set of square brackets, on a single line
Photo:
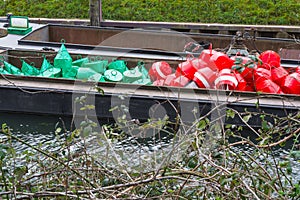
[(40, 131)]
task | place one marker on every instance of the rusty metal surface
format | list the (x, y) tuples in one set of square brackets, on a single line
[(290, 53), (83, 37), (15, 58)]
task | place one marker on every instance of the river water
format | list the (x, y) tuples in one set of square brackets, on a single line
[(39, 130)]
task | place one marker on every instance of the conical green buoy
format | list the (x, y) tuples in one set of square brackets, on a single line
[(45, 65), (63, 60), (113, 75), (96, 78), (84, 73), (3, 71), (143, 70), (143, 81), (119, 65), (71, 73), (79, 62), (98, 66), (12, 69), (132, 75), (29, 70), (52, 72)]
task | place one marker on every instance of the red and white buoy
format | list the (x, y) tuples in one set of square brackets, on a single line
[(169, 79), (180, 81), (159, 70), (298, 69), (226, 80), (204, 77), (205, 56), (198, 63), (262, 73)]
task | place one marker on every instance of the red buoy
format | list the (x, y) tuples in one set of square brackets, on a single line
[(226, 80), (169, 79), (186, 69), (198, 63), (262, 73), (159, 70), (298, 69), (268, 86), (291, 84), (158, 82), (278, 75), (247, 71), (242, 84), (204, 77), (270, 57), (221, 60), (205, 56), (180, 81)]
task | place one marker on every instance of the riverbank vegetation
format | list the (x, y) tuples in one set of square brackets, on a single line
[(159, 158), (206, 159), (263, 12)]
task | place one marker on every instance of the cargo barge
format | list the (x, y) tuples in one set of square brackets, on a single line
[(56, 96)]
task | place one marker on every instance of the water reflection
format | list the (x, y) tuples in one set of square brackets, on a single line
[(138, 154)]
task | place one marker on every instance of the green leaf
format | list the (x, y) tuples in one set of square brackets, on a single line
[(296, 191), (87, 131), (289, 168), (225, 181), (3, 153), (265, 126), (240, 128), (284, 164), (20, 171), (202, 124), (113, 108), (257, 104), (228, 126), (58, 130), (100, 90), (295, 154), (192, 163), (88, 107), (282, 193), (247, 117), (82, 99), (170, 191), (230, 113), (5, 128)]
